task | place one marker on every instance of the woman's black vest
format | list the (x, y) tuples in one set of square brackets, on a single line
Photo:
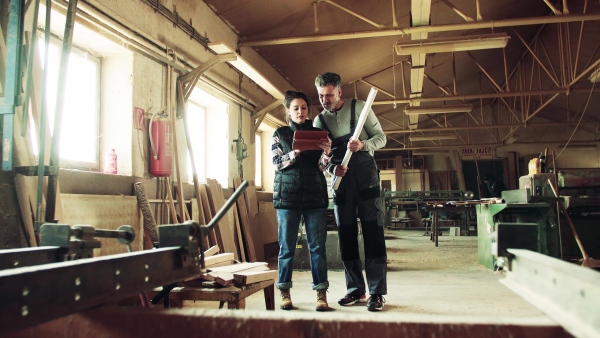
[(302, 185)]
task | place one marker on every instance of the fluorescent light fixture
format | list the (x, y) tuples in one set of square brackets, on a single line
[(247, 69), (432, 137), (595, 77), (429, 152), (578, 145), (455, 44), (457, 108)]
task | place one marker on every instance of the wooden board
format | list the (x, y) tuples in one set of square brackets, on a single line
[(211, 251), (253, 244), (251, 201), (104, 212), (218, 258), (238, 267), (224, 229), (245, 278)]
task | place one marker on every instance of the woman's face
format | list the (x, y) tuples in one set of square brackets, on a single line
[(298, 111)]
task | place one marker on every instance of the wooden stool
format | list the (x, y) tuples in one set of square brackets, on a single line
[(235, 296)]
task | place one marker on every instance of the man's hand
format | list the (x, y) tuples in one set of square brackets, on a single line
[(325, 144), (340, 170), (356, 145)]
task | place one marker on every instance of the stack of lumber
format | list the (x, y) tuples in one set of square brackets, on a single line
[(222, 270), (239, 231)]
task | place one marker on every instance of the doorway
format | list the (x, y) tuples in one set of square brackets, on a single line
[(486, 167)]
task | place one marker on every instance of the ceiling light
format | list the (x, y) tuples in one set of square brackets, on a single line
[(455, 44), (578, 145), (458, 108), (247, 69), (432, 137), (595, 77)]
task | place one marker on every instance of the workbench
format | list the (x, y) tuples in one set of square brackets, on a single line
[(235, 296), (436, 208)]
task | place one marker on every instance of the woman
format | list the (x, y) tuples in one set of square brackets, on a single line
[(300, 190)]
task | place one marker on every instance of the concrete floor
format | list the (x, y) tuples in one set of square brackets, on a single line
[(424, 283)]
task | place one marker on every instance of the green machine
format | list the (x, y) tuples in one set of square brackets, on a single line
[(531, 226)]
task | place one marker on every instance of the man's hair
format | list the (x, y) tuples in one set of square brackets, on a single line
[(326, 79), (488, 177)]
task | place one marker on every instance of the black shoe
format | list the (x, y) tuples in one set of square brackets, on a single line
[(351, 299), (375, 303)]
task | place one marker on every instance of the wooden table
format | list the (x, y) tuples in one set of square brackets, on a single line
[(235, 296), (435, 208)]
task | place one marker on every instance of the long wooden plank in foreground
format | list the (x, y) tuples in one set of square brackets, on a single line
[(187, 322)]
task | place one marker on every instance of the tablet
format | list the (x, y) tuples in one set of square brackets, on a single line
[(308, 139)]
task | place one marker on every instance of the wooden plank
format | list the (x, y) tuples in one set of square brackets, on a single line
[(239, 238), (226, 226), (251, 200), (245, 278), (218, 258), (211, 251), (206, 213), (104, 212), (249, 238), (213, 207), (238, 267), (226, 278)]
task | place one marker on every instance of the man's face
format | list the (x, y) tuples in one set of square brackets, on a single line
[(329, 96)]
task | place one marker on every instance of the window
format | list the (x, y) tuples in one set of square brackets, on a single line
[(208, 122), (79, 130)]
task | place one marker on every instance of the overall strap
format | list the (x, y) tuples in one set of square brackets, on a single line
[(353, 117), (325, 127)]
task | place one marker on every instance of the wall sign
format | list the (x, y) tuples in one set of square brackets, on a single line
[(476, 153)]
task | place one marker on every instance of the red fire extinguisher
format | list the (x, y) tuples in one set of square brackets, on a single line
[(162, 149)]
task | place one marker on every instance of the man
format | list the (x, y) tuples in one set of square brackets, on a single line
[(494, 186), (359, 189)]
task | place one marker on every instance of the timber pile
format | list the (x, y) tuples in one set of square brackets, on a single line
[(221, 271), (238, 232)]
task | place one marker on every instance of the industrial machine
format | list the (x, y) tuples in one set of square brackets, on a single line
[(61, 277), (555, 214)]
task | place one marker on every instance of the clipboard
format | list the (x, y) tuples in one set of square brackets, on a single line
[(308, 139)]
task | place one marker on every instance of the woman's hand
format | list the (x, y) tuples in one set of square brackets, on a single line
[(325, 144)]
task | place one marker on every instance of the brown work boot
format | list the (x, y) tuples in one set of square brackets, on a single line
[(322, 300), (286, 300)]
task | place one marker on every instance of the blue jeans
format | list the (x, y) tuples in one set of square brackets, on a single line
[(316, 234)]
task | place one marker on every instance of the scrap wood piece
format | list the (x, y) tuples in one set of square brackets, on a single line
[(251, 200), (252, 239), (203, 197), (225, 225), (211, 251), (245, 278), (239, 238), (226, 257), (227, 278), (238, 267)]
